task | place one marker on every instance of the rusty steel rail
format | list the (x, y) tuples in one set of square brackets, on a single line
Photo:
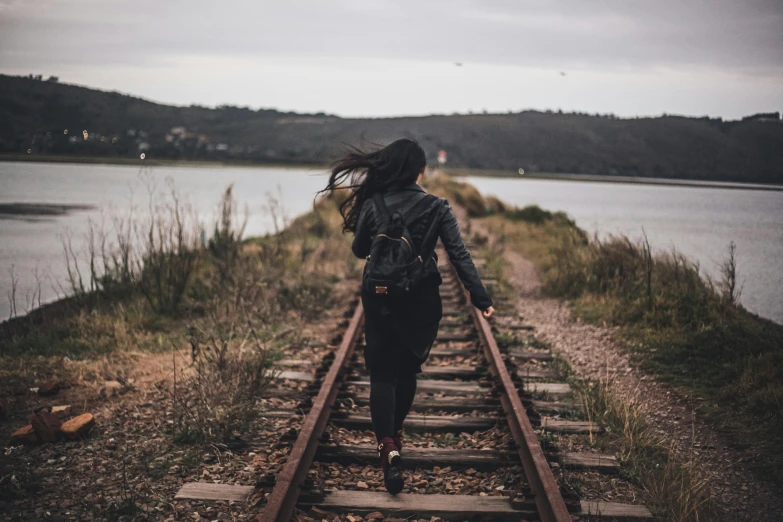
[(549, 501), (288, 483)]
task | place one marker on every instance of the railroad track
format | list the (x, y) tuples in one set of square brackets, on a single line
[(469, 385)]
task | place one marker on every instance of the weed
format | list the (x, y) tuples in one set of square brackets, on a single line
[(226, 241), (169, 256), (676, 488), (680, 325), (231, 365), (507, 340)]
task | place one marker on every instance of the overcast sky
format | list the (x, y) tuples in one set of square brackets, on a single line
[(384, 57)]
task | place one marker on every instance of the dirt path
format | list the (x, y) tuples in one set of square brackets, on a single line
[(593, 353)]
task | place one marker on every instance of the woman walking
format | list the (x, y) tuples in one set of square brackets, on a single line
[(396, 226)]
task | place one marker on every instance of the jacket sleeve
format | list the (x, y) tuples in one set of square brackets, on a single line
[(362, 239), (460, 258)]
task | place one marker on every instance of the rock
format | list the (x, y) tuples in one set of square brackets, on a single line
[(63, 412), (24, 435), (50, 387), (46, 426), (375, 515), (112, 388), (78, 426), (318, 513), (362, 485)]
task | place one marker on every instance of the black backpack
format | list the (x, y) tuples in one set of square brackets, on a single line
[(395, 266)]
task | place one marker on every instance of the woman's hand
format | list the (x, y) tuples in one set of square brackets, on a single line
[(488, 312)]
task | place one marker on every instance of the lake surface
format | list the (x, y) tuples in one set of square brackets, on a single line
[(699, 222), (32, 244)]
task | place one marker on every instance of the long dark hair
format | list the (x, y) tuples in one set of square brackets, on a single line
[(365, 172)]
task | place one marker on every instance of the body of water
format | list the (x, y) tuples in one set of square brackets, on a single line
[(33, 245), (698, 221)]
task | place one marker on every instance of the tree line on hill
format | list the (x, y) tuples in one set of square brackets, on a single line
[(52, 118)]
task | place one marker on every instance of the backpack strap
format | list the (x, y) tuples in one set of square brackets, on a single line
[(432, 229), (419, 208), (415, 212), (380, 204)]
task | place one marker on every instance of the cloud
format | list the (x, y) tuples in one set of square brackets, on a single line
[(626, 56), (571, 33)]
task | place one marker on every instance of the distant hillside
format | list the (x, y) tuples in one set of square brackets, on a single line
[(36, 113)]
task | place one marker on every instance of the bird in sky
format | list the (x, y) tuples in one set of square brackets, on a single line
[(562, 73), (458, 64)]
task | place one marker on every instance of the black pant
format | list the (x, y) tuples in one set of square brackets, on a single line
[(398, 336), (391, 398)]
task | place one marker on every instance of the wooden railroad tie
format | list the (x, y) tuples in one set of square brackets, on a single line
[(467, 388), (460, 507), (459, 424), (431, 385), (459, 458), (444, 423), (448, 507), (522, 355), (423, 402)]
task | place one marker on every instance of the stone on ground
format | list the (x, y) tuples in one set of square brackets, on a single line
[(46, 426), (78, 426), (63, 411), (24, 435), (50, 387)]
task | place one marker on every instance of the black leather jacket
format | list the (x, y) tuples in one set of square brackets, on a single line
[(403, 199)]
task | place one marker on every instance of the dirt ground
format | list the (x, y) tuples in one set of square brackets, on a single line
[(594, 353), (130, 467)]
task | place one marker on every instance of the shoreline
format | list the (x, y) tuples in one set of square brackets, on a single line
[(16, 208), (597, 178), (136, 162), (456, 172)]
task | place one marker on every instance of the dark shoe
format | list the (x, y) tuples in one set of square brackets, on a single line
[(390, 463)]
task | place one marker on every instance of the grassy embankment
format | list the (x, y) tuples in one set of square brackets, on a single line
[(682, 327), (150, 286)]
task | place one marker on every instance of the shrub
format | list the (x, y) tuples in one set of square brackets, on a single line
[(231, 366), (306, 296), (681, 326), (169, 255), (494, 205), (226, 241), (685, 328), (462, 194), (530, 213), (156, 256)]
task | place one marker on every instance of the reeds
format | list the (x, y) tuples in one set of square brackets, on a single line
[(676, 487)]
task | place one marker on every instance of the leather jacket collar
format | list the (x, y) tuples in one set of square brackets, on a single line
[(409, 187)]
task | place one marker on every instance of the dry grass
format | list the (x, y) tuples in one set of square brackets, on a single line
[(681, 326), (462, 194), (240, 302), (675, 489), (230, 365)]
